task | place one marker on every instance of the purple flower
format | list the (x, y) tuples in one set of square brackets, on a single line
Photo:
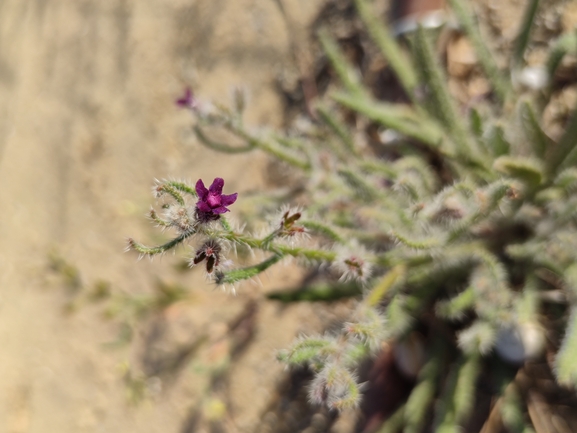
[(212, 202), (188, 100)]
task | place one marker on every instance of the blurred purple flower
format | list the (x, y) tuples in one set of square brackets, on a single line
[(188, 100), (212, 202)]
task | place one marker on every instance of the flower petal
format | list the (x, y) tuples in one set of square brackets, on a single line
[(201, 190), (229, 199), (216, 187), (220, 210), (203, 207)]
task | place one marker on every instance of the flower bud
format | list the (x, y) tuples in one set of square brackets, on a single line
[(211, 252)]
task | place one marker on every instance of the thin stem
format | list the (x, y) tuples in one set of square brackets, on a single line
[(151, 251), (220, 147)]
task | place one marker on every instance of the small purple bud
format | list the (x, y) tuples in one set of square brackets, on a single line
[(187, 101)]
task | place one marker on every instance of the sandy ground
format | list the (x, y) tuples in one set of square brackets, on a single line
[(87, 121)]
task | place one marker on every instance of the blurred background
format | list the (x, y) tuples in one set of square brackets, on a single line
[(87, 122)]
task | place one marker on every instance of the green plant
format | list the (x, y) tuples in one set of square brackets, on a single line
[(468, 228)]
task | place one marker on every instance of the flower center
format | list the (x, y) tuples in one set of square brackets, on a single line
[(213, 200)]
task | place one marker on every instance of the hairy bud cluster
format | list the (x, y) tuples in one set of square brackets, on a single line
[(180, 217), (210, 252), (288, 228), (352, 263)]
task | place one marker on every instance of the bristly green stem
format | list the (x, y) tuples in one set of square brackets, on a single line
[(266, 244), (159, 221), (237, 275), (151, 251), (166, 188), (182, 187), (322, 229)]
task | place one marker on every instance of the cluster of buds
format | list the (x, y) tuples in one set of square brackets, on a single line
[(288, 228), (333, 358), (211, 252), (352, 264)]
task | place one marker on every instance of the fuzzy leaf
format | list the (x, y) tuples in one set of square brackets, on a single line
[(394, 116), (565, 365), (564, 154), (496, 141), (456, 307), (529, 171), (565, 44), (522, 40), (307, 349), (534, 134), (459, 395)]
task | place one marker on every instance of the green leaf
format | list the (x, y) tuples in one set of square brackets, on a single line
[(562, 46), (456, 307), (564, 154), (533, 132), (496, 142), (522, 40), (565, 365), (308, 349), (459, 395), (527, 170), (476, 122), (401, 118)]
